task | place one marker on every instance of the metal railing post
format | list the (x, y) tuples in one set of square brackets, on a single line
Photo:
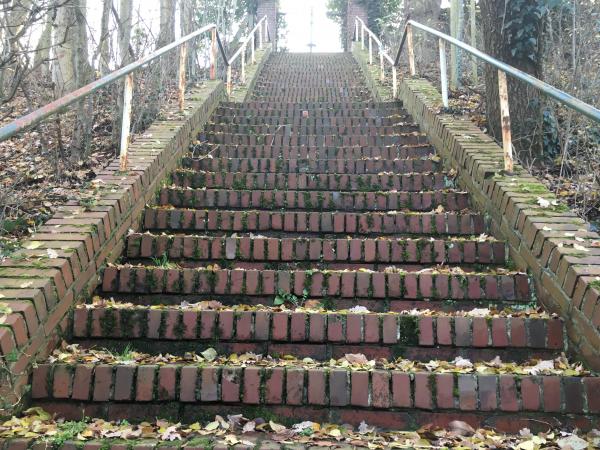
[(181, 78), (243, 74), (267, 31), (381, 67), (411, 51), (362, 35), (260, 37), (126, 122), (394, 82), (356, 30), (505, 118), (213, 54), (444, 73), (229, 81), (370, 50), (253, 50)]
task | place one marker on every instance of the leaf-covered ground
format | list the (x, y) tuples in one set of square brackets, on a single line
[(37, 424)]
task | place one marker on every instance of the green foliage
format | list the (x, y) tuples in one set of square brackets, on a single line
[(163, 262), (287, 297), (522, 24)]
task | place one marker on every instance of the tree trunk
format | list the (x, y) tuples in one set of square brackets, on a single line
[(125, 19), (41, 60), (524, 101), (456, 30), (105, 37), (71, 69), (166, 34)]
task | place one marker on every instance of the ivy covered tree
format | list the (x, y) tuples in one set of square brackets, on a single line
[(512, 32)]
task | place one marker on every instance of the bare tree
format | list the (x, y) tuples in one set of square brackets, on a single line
[(125, 19), (105, 41)]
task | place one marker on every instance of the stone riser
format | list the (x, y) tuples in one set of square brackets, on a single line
[(381, 335), (376, 285), (307, 166), (383, 251), (314, 222), (323, 182), (329, 140), (314, 200)]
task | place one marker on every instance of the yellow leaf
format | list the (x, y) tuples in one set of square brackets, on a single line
[(212, 426)]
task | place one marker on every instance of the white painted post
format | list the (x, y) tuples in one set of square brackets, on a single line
[(181, 78), (229, 81), (356, 30), (506, 127), (362, 35), (213, 54), (243, 55), (260, 36), (253, 43), (444, 73), (394, 82), (381, 67), (126, 122), (411, 51)]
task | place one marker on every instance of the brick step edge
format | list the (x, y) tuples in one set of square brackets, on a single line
[(312, 130), (381, 285), (317, 166), (324, 182), (314, 200), (328, 140), (262, 326), (464, 224), (392, 250), (337, 387)]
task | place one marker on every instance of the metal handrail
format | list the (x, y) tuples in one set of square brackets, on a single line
[(383, 56), (126, 72), (503, 69)]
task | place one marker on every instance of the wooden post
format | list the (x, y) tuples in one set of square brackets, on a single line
[(444, 72), (381, 67), (370, 49), (126, 122), (394, 82), (181, 84), (229, 81), (411, 51), (243, 55), (505, 118), (213, 54)]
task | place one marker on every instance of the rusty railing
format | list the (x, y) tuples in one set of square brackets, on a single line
[(127, 72), (503, 70)]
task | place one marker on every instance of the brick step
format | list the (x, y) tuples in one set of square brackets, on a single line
[(376, 223), (316, 97), (303, 105), (287, 130), (449, 200), (312, 152), (320, 335), (412, 182), (318, 166), (382, 397), (320, 113), (317, 284), (297, 250), (328, 140), (300, 121)]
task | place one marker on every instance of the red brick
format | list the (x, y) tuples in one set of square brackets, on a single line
[(209, 384), (252, 383), (295, 386), (423, 394), (102, 383), (381, 397), (124, 382), (444, 388), (488, 392), (467, 392), (359, 394), (316, 387), (167, 378), (274, 385), (509, 400), (187, 384), (338, 387), (82, 382), (530, 393)]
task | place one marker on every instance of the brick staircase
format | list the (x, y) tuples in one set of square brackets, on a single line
[(309, 224)]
